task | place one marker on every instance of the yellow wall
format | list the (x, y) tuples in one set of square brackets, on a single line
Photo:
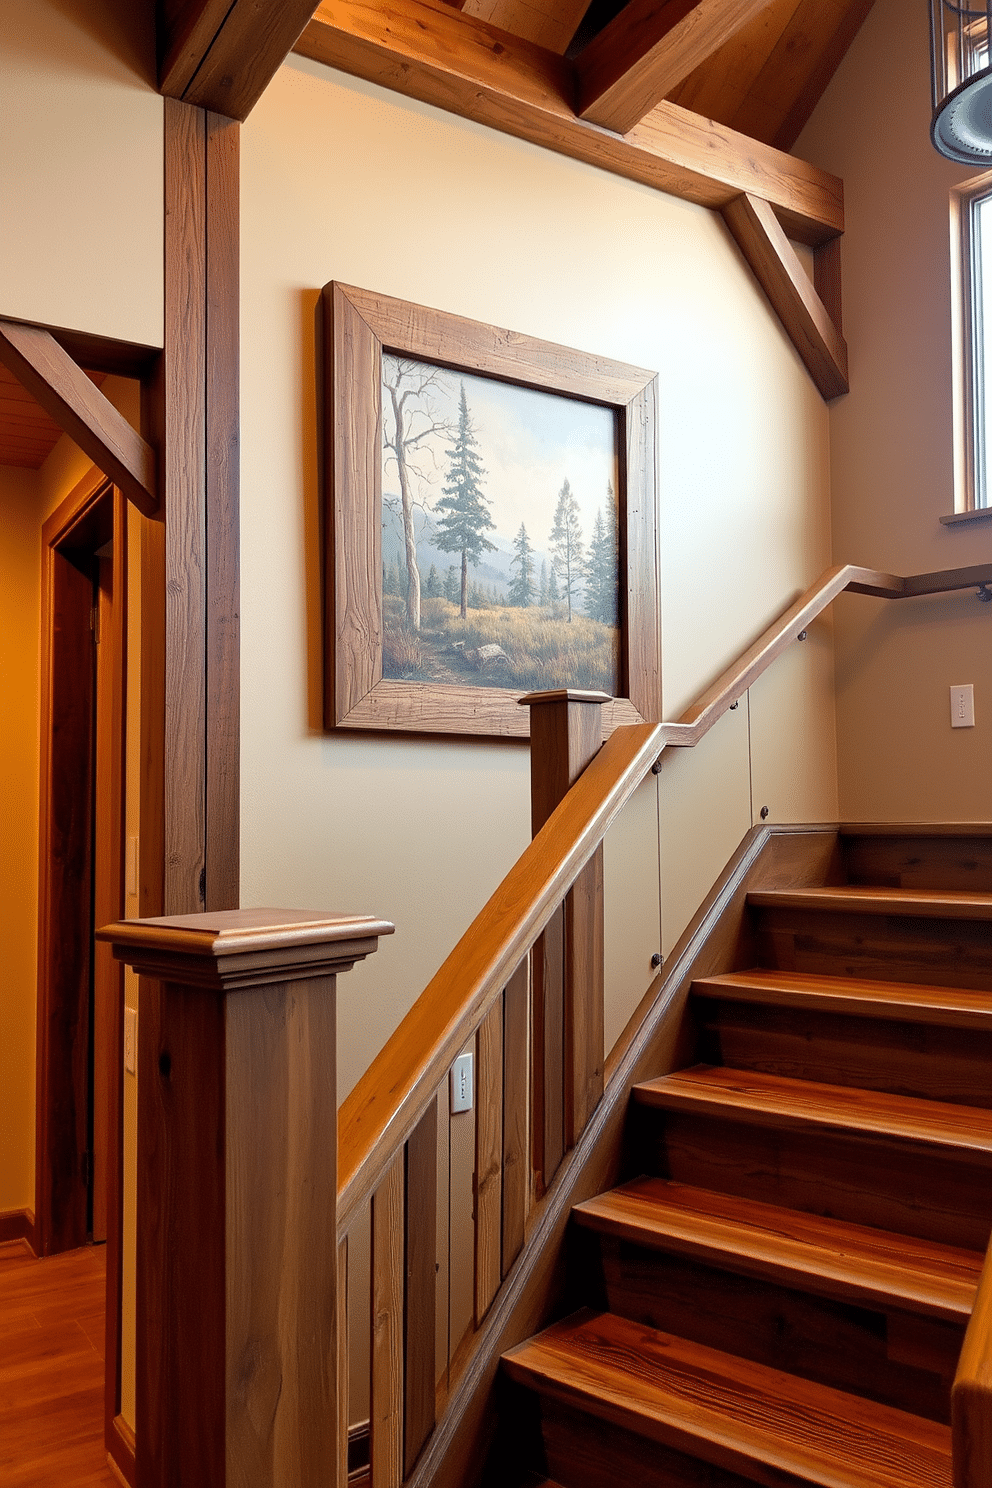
[(80, 167), (891, 444), (20, 570)]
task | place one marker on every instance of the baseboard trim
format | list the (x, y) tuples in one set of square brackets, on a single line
[(17, 1224), (120, 1451)]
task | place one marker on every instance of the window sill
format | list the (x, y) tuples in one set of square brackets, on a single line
[(982, 514)]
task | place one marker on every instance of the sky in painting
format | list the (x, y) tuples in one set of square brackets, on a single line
[(529, 442)]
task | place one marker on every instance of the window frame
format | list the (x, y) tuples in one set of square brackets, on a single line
[(972, 379)]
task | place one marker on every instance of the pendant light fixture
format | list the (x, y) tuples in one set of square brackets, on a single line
[(962, 80)]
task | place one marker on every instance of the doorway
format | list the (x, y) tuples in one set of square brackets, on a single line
[(80, 987)]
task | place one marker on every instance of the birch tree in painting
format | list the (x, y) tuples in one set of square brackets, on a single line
[(410, 420), (567, 554)]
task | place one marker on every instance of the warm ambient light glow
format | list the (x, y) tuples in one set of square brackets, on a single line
[(962, 80)]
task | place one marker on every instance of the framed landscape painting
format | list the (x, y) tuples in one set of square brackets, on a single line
[(490, 522)]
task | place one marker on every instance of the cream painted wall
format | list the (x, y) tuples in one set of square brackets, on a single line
[(343, 180), (20, 575), (81, 167), (891, 444)]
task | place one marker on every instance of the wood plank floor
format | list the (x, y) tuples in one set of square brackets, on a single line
[(51, 1369)]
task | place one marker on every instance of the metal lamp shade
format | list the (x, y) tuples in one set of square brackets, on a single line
[(962, 80)]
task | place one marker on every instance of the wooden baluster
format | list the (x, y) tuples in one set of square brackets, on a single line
[(566, 731), (516, 1168), (237, 1194), (386, 1394), (488, 1159), (421, 1285)]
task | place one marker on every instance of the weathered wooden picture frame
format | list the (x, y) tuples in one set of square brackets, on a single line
[(359, 327)]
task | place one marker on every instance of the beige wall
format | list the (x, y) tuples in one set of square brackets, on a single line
[(891, 444), (20, 559), (80, 167), (342, 180)]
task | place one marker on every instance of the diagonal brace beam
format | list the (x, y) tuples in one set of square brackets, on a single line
[(794, 298), (65, 393)]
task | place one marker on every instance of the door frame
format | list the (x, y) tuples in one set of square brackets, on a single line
[(93, 511)]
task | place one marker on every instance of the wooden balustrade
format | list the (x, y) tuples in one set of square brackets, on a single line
[(236, 1260)]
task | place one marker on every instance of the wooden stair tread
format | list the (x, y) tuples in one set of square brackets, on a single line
[(947, 1007), (953, 904), (829, 1256), (739, 1415), (777, 1101)]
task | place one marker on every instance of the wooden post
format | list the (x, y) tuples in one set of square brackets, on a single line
[(237, 1194), (566, 731)]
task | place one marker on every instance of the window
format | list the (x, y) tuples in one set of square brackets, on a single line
[(973, 413)]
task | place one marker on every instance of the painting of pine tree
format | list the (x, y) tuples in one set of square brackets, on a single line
[(500, 533)]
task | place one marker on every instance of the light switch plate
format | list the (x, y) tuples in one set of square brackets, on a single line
[(462, 1094), (963, 705)]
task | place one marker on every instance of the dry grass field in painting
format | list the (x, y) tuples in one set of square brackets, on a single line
[(538, 650)]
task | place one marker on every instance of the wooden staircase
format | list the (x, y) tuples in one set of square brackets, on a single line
[(781, 1296)]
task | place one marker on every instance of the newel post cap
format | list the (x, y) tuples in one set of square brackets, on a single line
[(563, 695), (231, 948)]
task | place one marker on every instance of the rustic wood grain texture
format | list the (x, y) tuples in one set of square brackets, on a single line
[(358, 325), (771, 1100), (428, 51), (917, 858), (903, 1002), (393, 1094), (874, 1268), (718, 87), (792, 295), (281, 1307), (647, 50), (489, 1098), (386, 1399), (516, 1126), (547, 23), (827, 280), (548, 1050), (798, 69), (732, 1412), (79, 408), (950, 904), (222, 56), (183, 455), (221, 505), (584, 1002), (420, 1369)]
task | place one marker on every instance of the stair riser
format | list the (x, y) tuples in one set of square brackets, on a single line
[(585, 1453), (896, 948), (909, 862), (889, 1184), (854, 1348), (945, 1064)]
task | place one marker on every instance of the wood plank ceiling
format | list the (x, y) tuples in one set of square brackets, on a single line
[(27, 433)]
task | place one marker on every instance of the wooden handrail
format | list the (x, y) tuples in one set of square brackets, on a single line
[(389, 1099), (971, 1394), (732, 683)]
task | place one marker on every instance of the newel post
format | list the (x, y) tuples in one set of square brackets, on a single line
[(566, 731), (237, 1194)]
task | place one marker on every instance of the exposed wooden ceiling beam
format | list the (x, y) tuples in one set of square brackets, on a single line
[(426, 50), (794, 298), (66, 393), (221, 55), (648, 49), (547, 23)]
